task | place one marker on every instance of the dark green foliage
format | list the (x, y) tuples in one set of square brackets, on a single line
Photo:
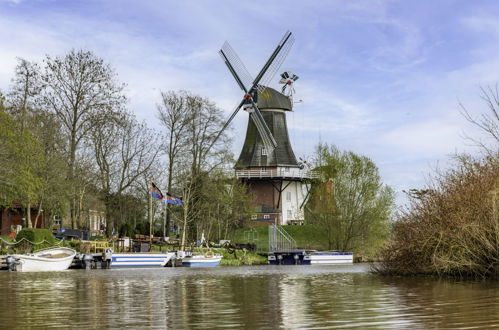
[(142, 228), (36, 235), (126, 229), (42, 238)]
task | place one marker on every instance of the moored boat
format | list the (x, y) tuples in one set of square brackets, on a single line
[(206, 260), (140, 259), (327, 258), (52, 259)]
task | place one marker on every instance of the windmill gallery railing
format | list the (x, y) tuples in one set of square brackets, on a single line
[(284, 172)]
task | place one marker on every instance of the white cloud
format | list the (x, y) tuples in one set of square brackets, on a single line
[(372, 80)]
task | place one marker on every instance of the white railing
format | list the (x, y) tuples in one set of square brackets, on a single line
[(281, 172), (280, 240)]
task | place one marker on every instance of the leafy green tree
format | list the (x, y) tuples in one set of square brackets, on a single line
[(21, 165), (350, 202)]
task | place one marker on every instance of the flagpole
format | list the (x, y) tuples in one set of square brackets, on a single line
[(150, 221), (165, 205)]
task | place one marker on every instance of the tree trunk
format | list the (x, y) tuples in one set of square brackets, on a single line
[(184, 229), (28, 215), (38, 213), (109, 221)]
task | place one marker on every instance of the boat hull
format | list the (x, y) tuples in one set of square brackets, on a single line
[(328, 258), (44, 261), (140, 259), (201, 261)]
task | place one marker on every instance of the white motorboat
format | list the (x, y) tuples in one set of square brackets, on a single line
[(328, 258), (52, 259), (140, 259), (206, 260)]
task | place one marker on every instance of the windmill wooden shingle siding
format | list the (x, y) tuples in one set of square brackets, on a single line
[(273, 106)]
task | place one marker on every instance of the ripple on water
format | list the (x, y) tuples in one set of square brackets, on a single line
[(289, 297)]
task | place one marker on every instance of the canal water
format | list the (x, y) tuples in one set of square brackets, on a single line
[(258, 297)]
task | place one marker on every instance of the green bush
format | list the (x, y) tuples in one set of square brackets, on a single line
[(42, 238)]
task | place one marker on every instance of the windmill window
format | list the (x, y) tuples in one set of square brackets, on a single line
[(288, 196), (264, 169), (264, 151), (253, 216), (266, 216)]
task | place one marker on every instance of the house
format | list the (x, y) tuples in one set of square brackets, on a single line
[(15, 216)]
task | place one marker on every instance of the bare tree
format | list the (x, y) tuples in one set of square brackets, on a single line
[(206, 121), (26, 86), (487, 122), (125, 151), (77, 87), (173, 114)]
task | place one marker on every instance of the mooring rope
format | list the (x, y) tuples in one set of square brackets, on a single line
[(27, 240)]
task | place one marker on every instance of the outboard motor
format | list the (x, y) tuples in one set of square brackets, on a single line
[(107, 256), (12, 262), (87, 261)]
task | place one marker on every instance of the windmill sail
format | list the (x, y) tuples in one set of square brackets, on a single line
[(252, 88)]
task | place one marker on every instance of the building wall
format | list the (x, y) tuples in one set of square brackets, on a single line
[(292, 198), (288, 202), (14, 217), (263, 192)]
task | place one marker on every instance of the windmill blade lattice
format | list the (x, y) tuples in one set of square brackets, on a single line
[(229, 55), (251, 89), (284, 49)]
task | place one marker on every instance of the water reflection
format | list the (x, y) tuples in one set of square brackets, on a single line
[(243, 297)]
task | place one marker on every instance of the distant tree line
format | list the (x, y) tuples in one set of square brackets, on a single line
[(68, 143)]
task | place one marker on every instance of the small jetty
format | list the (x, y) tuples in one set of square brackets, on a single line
[(283, 251)]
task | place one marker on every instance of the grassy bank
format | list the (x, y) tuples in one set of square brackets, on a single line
[(307, 237), (240, 258)]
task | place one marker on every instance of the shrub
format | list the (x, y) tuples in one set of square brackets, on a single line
[(38, 239), (451, 228)]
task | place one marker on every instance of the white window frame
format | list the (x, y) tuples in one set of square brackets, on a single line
[(266, 216), (288, 196), (264, 151)]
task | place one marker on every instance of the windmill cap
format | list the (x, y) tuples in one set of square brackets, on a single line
[(272, 99)]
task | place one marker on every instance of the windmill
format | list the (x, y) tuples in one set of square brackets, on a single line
[(267, 162), (253, 87)]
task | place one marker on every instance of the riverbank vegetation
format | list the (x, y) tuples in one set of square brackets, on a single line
[(350, 203), (451, 228)]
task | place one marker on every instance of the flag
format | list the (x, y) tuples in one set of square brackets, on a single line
[(169, 199), (155, 192)]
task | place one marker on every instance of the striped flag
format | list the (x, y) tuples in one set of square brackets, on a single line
[(155, 192), (169, 199)]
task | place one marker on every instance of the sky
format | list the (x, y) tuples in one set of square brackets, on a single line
[(384, 79)]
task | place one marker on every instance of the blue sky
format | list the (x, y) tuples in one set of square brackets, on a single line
[(380, 78)]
